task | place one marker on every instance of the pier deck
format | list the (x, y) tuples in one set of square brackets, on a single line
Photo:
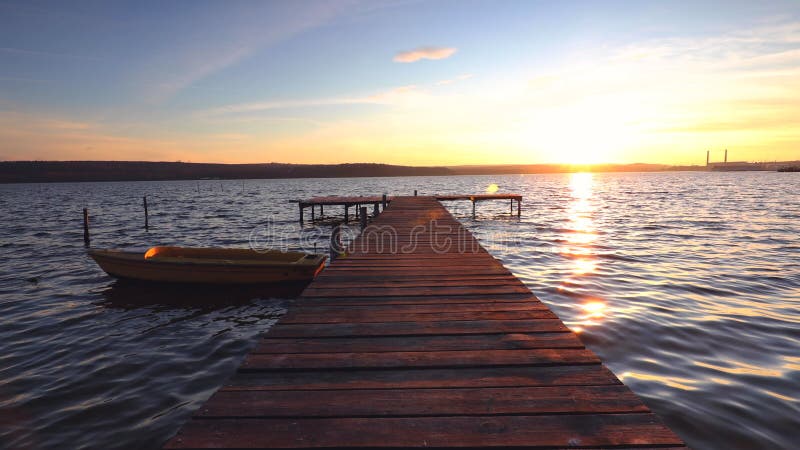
[(357, 202), (420, 338)]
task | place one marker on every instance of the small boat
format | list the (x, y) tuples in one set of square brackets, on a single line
[(210, 265)]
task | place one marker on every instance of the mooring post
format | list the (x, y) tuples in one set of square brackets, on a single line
[(321, 211), (375, 209), (346, 213), (519, 208), (336, 242), (300, 205), (363, 217), (383, 201), (473, 207), (415, 192), (312, 213), (511, 211), (146, 220), (85, 227)]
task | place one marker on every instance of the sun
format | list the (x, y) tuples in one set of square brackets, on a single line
[(592, 131)]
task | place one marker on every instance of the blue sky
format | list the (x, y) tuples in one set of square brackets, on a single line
[(320, 81)]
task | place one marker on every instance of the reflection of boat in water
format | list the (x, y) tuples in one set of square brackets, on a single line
[(126, 294), (210, 265), (789, 169)]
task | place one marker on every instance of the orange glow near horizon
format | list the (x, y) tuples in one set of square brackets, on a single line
[(651, 99)]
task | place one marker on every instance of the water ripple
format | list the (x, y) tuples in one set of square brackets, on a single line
[(686, 284)]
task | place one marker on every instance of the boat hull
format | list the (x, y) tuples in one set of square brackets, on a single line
[(134, 266)]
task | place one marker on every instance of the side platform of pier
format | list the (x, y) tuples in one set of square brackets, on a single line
[(417, 338)]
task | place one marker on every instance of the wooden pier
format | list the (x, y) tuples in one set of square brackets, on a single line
[(377, 202), (420, 338)]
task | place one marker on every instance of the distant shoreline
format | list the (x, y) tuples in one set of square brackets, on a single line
[(109, 171)]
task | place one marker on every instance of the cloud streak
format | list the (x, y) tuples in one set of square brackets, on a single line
[(391, 96), (433, 53)]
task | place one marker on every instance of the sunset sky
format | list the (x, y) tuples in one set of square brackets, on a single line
[(401, 82)]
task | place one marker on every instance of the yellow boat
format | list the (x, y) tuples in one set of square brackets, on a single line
[(210, 265)]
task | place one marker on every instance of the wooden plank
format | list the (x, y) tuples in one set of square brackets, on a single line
[(582, 430), (422, 283), (418, 328), (406, 300), (380, 360), (424, 402), (509, 376), (418, 343), (531, 304), (370, 317), (350, 280), (432, 291)]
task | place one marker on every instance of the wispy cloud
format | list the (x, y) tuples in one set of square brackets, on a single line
[(462, 77), (387, 97), (183, 63), (419, 53)]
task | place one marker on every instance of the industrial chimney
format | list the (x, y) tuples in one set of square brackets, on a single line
[(726, 156), (708, 156)]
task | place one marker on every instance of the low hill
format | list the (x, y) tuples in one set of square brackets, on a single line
[(59, 171)]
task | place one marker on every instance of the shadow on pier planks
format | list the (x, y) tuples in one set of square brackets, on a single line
[(421, 339)]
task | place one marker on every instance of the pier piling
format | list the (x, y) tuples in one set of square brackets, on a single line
[(363, 217), (146, 218), (86, 227), (335, 243)]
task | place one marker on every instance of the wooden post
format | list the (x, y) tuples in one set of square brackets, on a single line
[(375, 209), (511, 211), (473, 208), (415, 192), (346, 213), (85, 227), (312, 213), (146, 220), (363, 217), (358, 210), (321, 211), (300, 205), (383, 200), (336, 242), (519, 208)]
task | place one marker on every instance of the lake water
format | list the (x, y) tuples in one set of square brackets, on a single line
[(686, 284)]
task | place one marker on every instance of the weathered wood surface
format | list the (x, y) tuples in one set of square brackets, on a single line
[(479, 197), (341, 201), (420, 338)]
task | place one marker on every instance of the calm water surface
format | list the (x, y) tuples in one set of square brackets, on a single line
[(686, 284)]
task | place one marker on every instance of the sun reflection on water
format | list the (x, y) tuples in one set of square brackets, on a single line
[(594, 308), (580, 226), (580, 234)]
